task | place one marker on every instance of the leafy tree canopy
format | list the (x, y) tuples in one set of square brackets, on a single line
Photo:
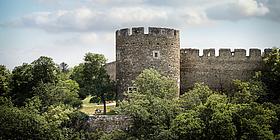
[(152, 106), (93, 78), (151, 82), (5, 77), (271, 76)]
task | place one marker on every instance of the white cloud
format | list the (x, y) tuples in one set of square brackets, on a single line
[(196, 17), (61, 20), (87, 39), (106, 15), (274, 9), (237, 9), (85, 19), (137, 14), (251, 8), (115, 2)]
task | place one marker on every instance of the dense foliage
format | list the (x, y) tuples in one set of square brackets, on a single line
[(199, 113), (153, 106), (271, 76), (40, 101), (5, 77)]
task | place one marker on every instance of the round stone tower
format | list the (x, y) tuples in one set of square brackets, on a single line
[(136, 51)]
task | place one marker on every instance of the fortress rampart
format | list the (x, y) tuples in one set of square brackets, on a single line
[(218, 71)]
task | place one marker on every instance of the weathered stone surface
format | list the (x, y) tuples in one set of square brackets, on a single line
[(109, 123), (135, 52), (111, 70), (218, 71)]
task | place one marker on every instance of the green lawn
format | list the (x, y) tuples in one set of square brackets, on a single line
[(89, 108)]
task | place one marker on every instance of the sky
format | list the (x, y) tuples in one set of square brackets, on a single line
[(66, 30)]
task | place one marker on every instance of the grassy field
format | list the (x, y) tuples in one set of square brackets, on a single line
[(89, 108)]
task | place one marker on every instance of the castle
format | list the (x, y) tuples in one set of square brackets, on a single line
[(160, 49)]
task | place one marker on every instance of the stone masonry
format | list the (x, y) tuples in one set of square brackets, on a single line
[(136, 51), (160, 49), (218, 71), (109, 123)]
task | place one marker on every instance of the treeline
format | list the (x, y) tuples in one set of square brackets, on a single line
[(41, 101)]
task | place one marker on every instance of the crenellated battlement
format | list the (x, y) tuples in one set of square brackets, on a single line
[(239, 52), (152, 31), (218, 70), (189, 52), (209, 52), (225, 53)]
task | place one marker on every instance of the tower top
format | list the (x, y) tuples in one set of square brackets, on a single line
[(152, 31)]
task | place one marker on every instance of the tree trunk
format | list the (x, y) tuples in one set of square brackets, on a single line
[(104, 104)]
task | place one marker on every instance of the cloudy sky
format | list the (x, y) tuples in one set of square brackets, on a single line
[(66, 29)]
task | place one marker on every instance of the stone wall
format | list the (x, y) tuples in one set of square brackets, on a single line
[(111, 70), (218, 71), (135, 52), (109, 123)]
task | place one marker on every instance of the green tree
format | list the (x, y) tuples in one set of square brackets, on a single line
[(195, 97), (5, 77), (57, 114), (78, 75), (43, 98), (34, 105), (44, 70), (237, 117), (254, 121), (60, 119), (6, 101), (247, 92), (216, 114), (151, 82), (276, 124), (93, 78), (28, 76), (187, 125), (153, 108), (21, 83), (271, 76), (18, 123), (117, 135), (63, 92), (77, 121)]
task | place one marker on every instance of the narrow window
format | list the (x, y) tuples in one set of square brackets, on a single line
[(131, 89), (118, 55), (156, 54)]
